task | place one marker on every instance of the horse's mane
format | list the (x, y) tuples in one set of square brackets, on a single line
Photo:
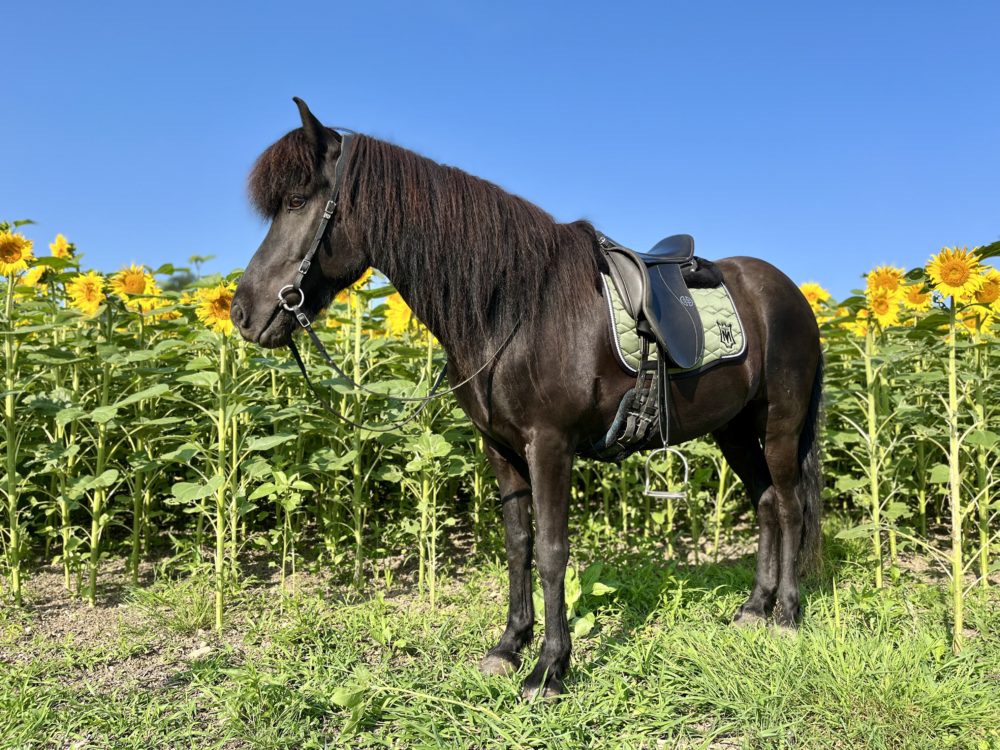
[(472, 259)]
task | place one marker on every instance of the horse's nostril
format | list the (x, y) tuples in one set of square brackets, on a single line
[(237, 315)]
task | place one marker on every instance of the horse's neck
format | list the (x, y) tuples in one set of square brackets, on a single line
[(460, 358)]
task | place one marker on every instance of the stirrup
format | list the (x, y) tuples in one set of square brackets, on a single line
[(680, 495)]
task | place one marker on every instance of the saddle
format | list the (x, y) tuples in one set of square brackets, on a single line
[(656, 295)]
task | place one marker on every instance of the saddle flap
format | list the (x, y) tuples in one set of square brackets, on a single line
[(673, 316), (657, 294)]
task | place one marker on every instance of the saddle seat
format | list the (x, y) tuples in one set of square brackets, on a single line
[(656, 296)]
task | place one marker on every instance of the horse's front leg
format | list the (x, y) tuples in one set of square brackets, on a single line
[(515, 496), (550, 463)]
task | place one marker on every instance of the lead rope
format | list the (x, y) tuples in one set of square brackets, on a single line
[(424, 400)]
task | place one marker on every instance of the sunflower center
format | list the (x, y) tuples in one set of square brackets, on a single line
[(134, 284), (880, 305), (989, 293), (221, 305), (10, 252), (954, 273)]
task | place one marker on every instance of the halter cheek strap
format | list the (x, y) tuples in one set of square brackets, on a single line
[(347, 141)]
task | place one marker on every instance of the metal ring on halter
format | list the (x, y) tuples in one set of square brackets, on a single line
[(284, 304)]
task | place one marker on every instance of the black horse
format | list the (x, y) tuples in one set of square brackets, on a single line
[(476, 264)]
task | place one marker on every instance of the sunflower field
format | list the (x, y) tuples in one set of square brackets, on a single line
[(138, 429), (137, 424)]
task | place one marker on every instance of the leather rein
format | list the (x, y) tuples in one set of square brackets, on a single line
[(347, 140)]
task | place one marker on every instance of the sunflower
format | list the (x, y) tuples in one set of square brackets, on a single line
[(15, 253), (345, 295), (887, 278), (859, 326), (974, 321), (35, 277), (884, 307), (916, 297), (86, 292), (397, 315), (815, 295), (131, 281), (157, 306), (62, 248), (989, 293), (213, 307), (955, 272), (137, 288)]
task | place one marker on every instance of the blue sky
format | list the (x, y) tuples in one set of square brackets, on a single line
[(825, 138)]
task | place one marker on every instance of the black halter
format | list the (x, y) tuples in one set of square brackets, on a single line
[(347, 140), (295, 287)]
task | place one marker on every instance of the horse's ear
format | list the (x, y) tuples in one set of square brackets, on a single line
[(314, 128)]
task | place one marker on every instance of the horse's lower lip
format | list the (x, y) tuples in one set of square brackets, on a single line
[(273, 334)]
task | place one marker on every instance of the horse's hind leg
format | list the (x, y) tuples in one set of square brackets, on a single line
[(515, 497), (741, 447)]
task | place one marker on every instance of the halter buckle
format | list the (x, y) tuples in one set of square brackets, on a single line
[(331, 206), (284, 303), (304, 266)]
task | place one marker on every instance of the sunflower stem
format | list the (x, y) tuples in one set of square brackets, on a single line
[(875, 502), (10, 438), (222, 446), (954, 486)]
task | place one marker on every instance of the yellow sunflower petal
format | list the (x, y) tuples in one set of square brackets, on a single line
[(883, 305), (15, 253), (989, 292), (213, 307), (397, 315), (887, 278), (955, 272), (815, 295), (62, 248), (86, 292), (916, 297)]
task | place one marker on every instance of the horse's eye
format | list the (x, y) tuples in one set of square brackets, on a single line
[(295, 202)]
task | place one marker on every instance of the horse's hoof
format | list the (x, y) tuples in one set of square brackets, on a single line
[(552, 690), (785, 631), (500, 664), (748, 620)]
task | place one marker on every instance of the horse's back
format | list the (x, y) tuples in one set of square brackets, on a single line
[(781, 325)]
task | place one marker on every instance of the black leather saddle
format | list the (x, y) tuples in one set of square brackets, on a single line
[(656, 296)]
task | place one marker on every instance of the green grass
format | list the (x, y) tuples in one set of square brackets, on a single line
[(662, 669)]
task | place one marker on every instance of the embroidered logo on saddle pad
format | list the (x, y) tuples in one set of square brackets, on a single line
[(723, 328)]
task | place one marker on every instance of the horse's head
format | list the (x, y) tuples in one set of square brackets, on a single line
[(291, 184)]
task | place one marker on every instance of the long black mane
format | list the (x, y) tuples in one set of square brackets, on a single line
[(471, 259)]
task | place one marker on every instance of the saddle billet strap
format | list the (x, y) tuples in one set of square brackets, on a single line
[(663, 396)]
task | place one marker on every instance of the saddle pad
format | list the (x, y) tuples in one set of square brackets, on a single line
[(723, 328)]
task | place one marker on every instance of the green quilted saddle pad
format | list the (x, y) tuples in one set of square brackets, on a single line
[(724, 338)]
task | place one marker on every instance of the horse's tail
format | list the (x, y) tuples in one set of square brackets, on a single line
[(810, 484)]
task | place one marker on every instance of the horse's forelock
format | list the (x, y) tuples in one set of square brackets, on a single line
[(287, 163)]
